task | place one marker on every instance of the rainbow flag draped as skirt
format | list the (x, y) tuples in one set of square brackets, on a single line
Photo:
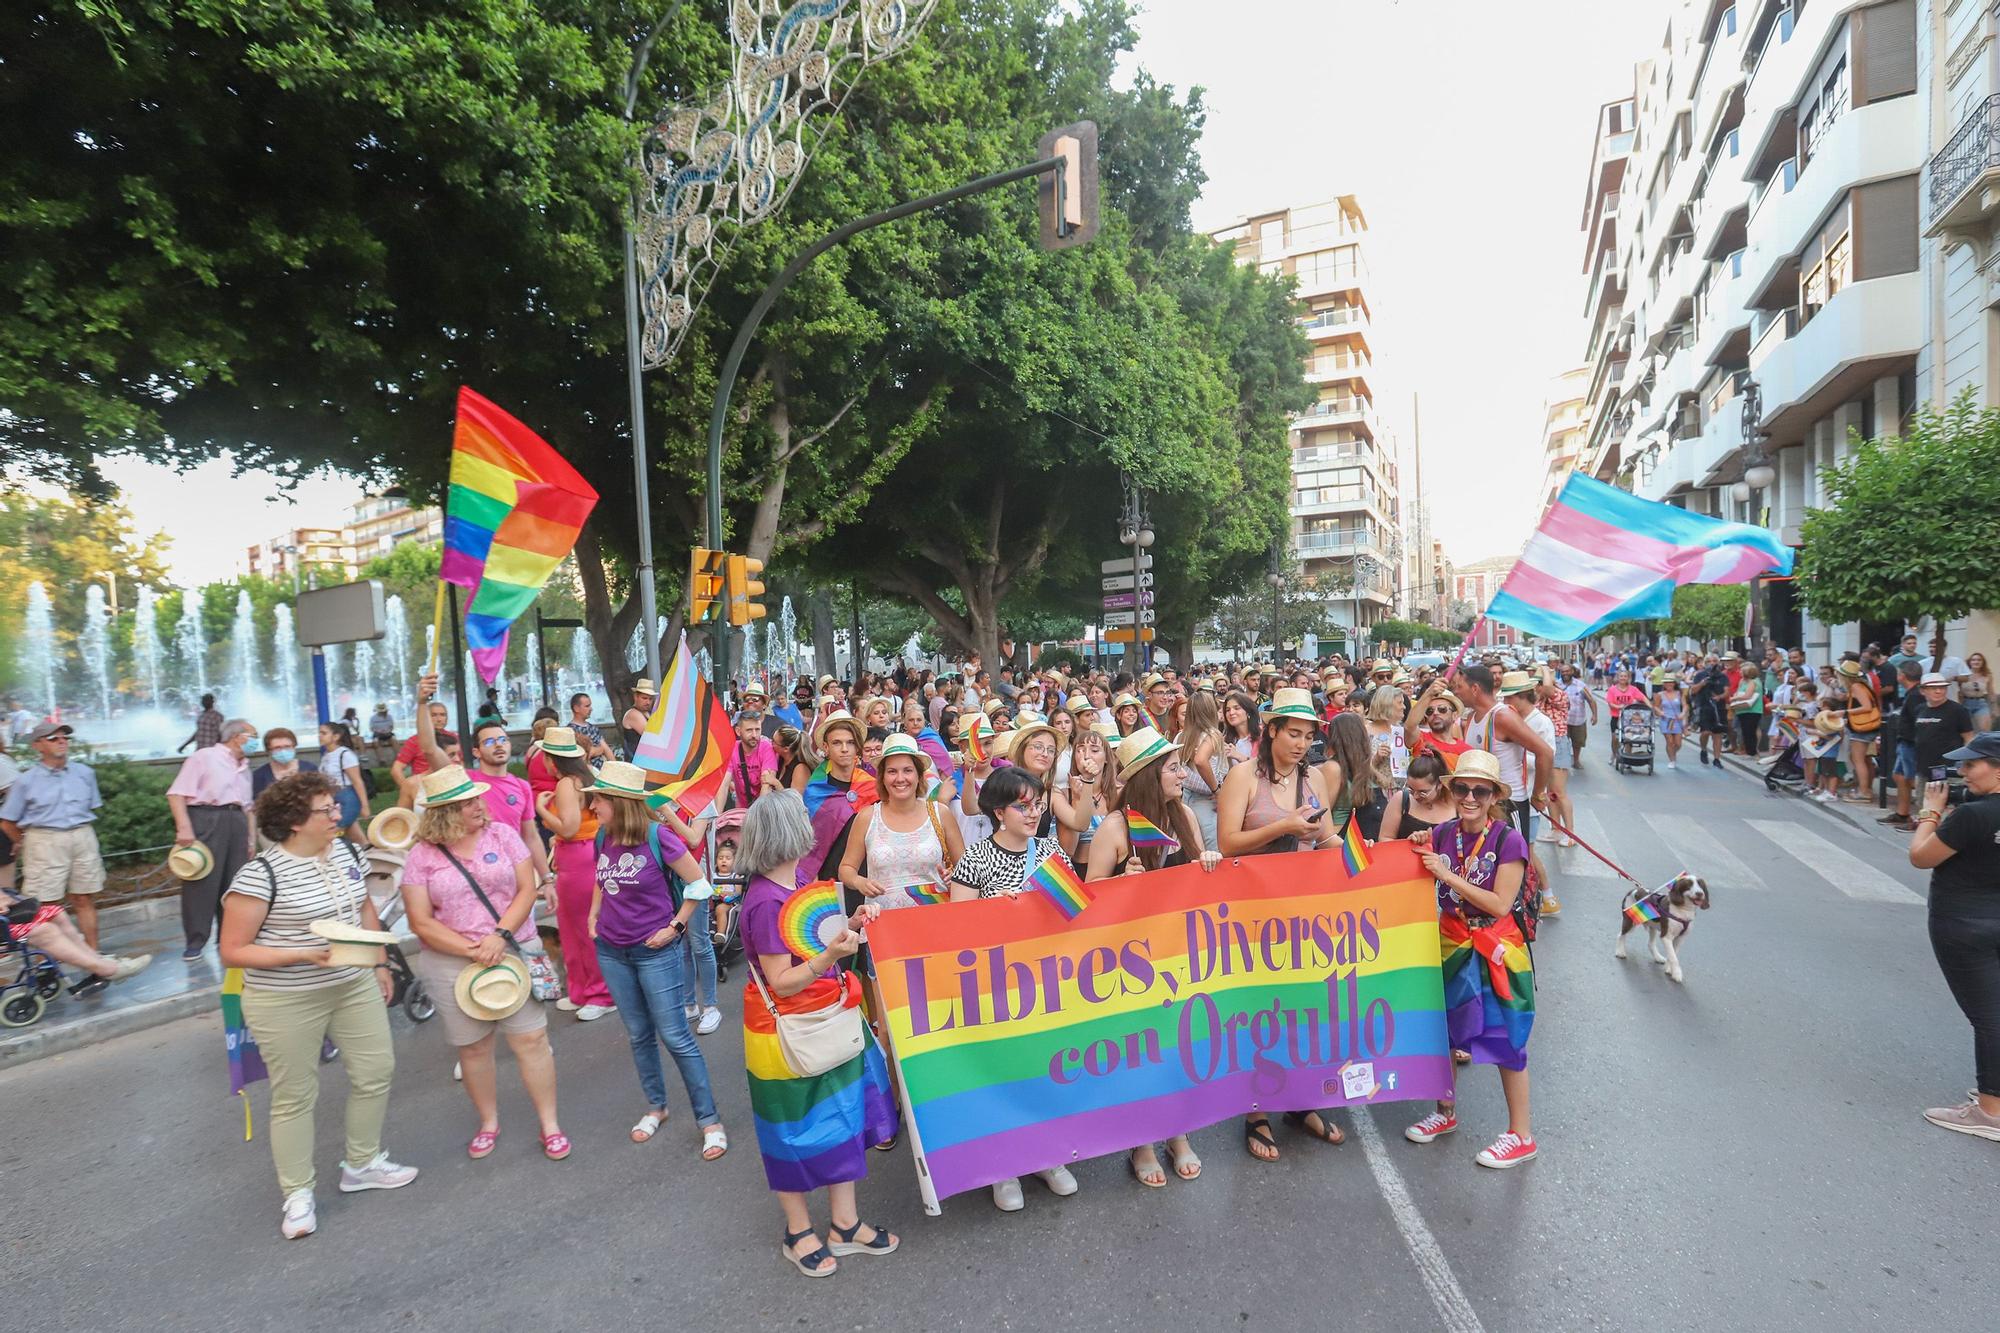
[(1489, 990), (814, 1131)]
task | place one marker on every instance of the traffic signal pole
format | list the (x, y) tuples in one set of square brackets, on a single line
[(1074, 219)]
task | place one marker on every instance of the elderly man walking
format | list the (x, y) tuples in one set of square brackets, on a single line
[(210, 798), (51, 814)]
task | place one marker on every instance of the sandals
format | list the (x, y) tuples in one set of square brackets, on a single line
[(555, 1146), (1328, 1132), (844, 1241), (482, 1144), (887, 1145), (816, 1264), (1153, 1177), (1186, 1165), (649, 1125), (714, 1143), (1256, 1132)]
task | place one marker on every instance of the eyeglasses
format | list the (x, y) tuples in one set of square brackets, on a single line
[(493, 740), (1463, 790), (1030, 807), (327, 811)]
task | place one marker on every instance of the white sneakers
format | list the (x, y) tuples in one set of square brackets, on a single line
[(567, 1005), (711, 1019), (378, 1174), (1060, 1182), (586, 1013), (128, 966), (300, 1218), (1007, 1193)]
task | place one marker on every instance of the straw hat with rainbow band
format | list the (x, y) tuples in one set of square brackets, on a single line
[(1291, 703), (449, 785), (1142, 747)]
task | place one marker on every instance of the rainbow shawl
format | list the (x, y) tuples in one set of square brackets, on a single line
[(1489, 990), (831, 810), (814, 1131)]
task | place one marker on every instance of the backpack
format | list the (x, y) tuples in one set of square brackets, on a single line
[(674, 885), (1528, 907)]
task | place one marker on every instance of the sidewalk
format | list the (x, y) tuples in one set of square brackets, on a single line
[(1862, 818), (167, 990)]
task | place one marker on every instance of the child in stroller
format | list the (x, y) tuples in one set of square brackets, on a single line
[(728, 888), (42, 936), (1787, 772)]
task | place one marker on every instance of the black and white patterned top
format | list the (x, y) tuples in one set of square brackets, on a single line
[(995, 872)]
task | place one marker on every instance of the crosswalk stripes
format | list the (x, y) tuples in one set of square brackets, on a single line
[(1701, 851), (1575, 863), (1837, 866)]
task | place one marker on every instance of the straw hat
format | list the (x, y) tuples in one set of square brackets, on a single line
[(192, 861), (490, 994), (825, 681), (754, 690), (839, 717), (352, 946), (645, 687), (1828, 724), (1850, 669), (1108, 731), (1139, 749), (902, 744), (1290, 702), (1124, 701), (1029, 725), (972, 722), (395, 829), (1078, 704), (561, 740), (1516, 682), (620, 779), (1483, 766), (993, 705), (450, 785), (1382, 666), (1152, 678)]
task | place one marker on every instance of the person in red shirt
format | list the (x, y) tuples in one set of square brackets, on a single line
[(410, 761)]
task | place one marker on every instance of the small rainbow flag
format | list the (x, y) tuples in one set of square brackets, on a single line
[(1143, 832), (1056, 878), (929, 894), (687, 741), (1641, 912), (1354, 848), (975, 742), (513, 512), (809, 915), (246, 1062)]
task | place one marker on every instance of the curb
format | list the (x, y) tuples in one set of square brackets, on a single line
[(38, 1043), (1755, 772), (145, 909)]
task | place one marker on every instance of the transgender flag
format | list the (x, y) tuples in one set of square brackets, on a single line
[(1603, 555)]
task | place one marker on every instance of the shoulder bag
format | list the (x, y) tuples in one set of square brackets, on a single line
[(814, 1041), (543, 984)]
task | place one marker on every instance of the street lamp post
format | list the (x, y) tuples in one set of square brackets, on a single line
[(1276, 578), (1758, 477), (1135, 529)]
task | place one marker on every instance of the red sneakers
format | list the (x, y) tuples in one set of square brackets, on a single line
[(1434, 1125), (1510, 1149)]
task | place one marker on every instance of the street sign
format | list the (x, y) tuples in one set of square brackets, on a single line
[(1124, 566), (1127, 636), (1123, 582), (1143, 616), (1125, 601), (1309, 646)]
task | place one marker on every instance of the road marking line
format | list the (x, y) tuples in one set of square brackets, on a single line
[(1837, 866), (1455, 1312), (1702, 851), (1576, 863)]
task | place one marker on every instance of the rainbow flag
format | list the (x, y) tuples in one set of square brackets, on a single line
[(1354, 849), (975, 741), (929, 895), (1143, 832), (246, 1063), (514, 511), (687, 740), (1641, 912), (1070, 1039), (1058, 879)]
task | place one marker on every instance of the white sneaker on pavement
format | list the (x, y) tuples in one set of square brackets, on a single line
[(1060, 1182), (593, 1011), (128, 966), (378, 1174), (711, 1019), (300, 1217), (568, 1005), (1007, 1195)]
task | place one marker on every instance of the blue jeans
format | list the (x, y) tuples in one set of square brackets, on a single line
[(702, 942), (650, 986)]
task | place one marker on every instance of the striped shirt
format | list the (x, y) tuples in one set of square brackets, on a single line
[(302, 890)]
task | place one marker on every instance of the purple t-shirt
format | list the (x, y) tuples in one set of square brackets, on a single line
[(761, 900), (636, 899), (453, 902), (1478, 859)]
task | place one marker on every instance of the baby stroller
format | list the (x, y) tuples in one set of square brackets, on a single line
[(39, 980), (1635, 738), (384, 881), (1787, 772), (728, 890)]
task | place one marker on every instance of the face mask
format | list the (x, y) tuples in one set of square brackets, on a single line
[(284, 756), (253, 746)]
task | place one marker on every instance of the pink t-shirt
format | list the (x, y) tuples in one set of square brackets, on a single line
[(747, 770), (509, 800), (453, 902), (1619, 696)]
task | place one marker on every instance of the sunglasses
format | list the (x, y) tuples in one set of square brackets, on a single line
[(1477, 792)]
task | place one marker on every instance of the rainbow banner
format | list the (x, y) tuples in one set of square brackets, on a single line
[(513, 512), (688, 740), (1174, 1000)]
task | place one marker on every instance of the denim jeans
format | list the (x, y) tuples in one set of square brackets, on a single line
[(650, 987), (702, 943)]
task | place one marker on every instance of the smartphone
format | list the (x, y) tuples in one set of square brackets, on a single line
[(1313, 818)]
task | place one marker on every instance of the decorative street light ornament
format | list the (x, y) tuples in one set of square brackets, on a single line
[(712, 169)]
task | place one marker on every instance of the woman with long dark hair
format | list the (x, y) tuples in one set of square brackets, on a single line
[(1350, 775), (1200, 741), (1239, 727), (565, 812)]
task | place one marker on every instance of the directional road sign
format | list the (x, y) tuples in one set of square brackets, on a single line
[(1126, 635), (1123, 582), (1124, 566), (1143, 616), (1125, 601)]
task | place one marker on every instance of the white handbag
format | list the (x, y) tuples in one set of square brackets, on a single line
[(815, 1040)]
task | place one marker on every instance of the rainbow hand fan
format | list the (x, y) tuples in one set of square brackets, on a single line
[(1143, 832), (812, 918)]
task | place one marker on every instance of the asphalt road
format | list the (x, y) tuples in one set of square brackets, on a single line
[(1743, 1151)]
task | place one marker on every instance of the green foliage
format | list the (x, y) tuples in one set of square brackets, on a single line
[(1301, 606), (1061, 659), (1912, 523), (410, 571), (1399, 632), (66, 545), (135, 810), (1706, 612)]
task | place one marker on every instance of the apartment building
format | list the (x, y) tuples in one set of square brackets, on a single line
[(1475, 585), (1346, 509), (380, 523), (1565, 429), (299, 551), (1754, 239), (376, 525)]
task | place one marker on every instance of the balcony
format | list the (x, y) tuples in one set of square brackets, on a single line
[(1721, 439), (1321, 279), (1778, 330), (1329, 545), (1334, 323), (1869, 329), (1330, 366), (1344, 409), (1965, 175)]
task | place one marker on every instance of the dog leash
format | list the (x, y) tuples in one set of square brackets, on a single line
[(1571, 834)]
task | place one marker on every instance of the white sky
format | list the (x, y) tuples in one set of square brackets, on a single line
[(1464, 126)]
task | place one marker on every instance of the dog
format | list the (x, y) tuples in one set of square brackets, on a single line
[(1676, 902)]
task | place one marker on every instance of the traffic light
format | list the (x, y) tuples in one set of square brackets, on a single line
[(740, 589), (1067, 198), (704, 583)]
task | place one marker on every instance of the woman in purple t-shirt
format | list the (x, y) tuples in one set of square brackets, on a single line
[(639, 920)]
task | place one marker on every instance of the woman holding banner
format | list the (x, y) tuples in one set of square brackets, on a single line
[(1481, 863), (1155, 779), (813, 1131), (1279, 804), (905, 842)]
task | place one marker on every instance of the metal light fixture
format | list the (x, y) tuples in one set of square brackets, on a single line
[(1760, 475), (1740, 491)]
